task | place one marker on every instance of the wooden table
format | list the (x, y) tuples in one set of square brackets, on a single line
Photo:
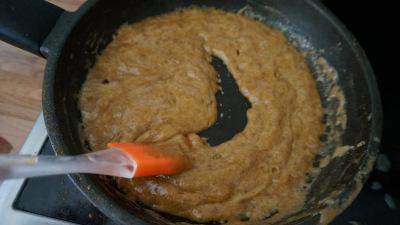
[(21, 75)]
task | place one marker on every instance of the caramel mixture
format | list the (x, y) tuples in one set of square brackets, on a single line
[(154, 84)]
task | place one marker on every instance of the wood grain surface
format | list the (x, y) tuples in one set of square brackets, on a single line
[(21, 75)]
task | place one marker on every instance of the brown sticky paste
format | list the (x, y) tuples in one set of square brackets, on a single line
[(154, 84)]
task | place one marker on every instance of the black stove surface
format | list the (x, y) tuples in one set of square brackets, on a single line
[(57, 197), (379, 201)]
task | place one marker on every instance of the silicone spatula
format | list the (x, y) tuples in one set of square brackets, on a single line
[(120, 159)]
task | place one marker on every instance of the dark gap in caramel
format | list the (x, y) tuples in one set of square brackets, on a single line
[(232, 107)]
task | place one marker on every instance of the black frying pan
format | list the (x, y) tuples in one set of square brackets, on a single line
[(70, 42)]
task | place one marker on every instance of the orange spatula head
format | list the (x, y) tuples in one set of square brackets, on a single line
[(150, 160)]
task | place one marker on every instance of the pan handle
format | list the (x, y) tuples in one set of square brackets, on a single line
[(26, 23)]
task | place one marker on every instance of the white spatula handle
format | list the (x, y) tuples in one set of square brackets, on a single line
[(107, 162)]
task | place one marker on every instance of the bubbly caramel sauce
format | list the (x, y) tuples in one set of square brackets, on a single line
[(154, 84)]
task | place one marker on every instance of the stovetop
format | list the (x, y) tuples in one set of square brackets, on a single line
[(55, 200), (60, 200)]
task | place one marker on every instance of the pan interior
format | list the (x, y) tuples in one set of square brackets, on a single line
[(319, 39)]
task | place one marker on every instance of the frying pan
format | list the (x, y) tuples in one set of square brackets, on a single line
[(71, 40)]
